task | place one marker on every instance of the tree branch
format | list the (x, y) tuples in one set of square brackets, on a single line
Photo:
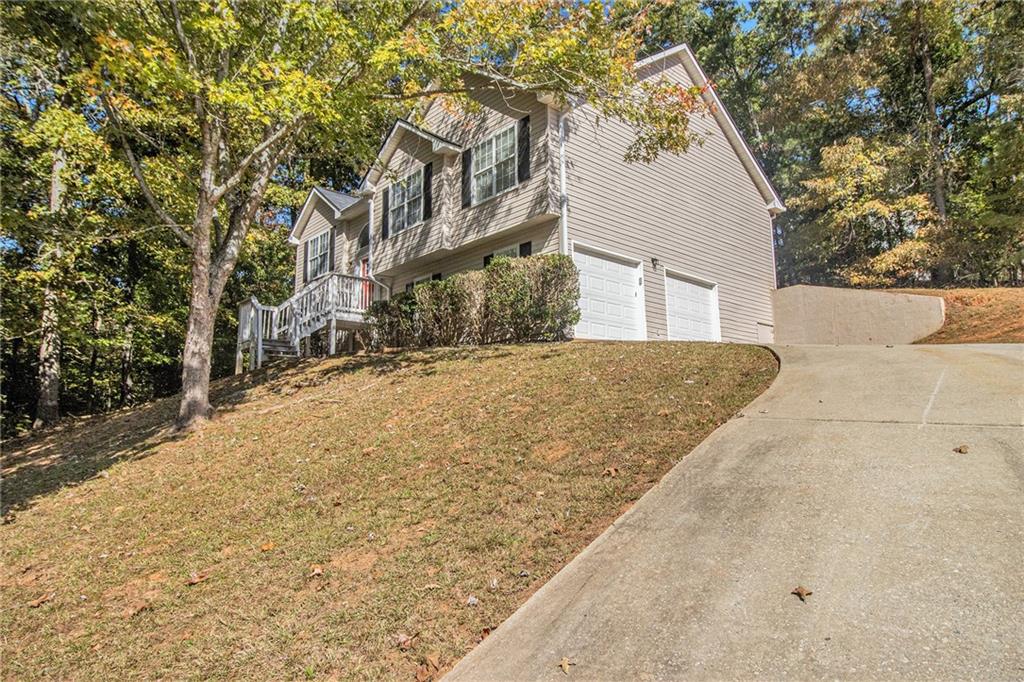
[(243, 165), (151, 199)]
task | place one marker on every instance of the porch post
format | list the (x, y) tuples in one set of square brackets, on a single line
[(332, 335)]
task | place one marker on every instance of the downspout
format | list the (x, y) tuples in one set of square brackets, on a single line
[(563, 191)]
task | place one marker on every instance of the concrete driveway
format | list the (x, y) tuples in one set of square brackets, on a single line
[(842, 478)]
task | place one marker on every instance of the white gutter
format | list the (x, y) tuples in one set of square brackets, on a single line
[(563, 190)]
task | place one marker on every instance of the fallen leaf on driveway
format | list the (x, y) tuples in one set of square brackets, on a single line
[(196, 578), (802, 592), (961, 449), (564, 664), (36, 603)]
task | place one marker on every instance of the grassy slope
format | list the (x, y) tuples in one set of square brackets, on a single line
[(978, 315), (412, 481)]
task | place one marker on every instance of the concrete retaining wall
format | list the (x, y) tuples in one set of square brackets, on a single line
[(824, 315)]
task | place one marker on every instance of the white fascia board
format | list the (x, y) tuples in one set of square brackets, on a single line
[(306, 212)]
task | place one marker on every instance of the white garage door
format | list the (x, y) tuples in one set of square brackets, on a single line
[(611, 304), (692, 310)]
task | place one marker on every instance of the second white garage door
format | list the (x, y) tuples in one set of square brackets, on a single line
[(611, 299), (692, 309)]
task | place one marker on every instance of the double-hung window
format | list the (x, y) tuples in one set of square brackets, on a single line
[(406, 201), (319, 252), (494, 165)]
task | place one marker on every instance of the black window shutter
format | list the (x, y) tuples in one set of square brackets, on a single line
[(524, 148), (305, 262), (467, 177), (436, 277), (487, 259), (408, 287), (330, 251), (525, 249), (428, 193), (385, 214)]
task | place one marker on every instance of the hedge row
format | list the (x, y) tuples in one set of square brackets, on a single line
[(511, 300)]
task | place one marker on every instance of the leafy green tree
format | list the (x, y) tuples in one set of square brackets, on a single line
[(208, 99)]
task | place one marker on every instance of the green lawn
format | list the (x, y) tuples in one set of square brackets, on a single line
[(333, 507)]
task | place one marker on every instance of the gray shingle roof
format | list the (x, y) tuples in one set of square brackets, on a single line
[(339, 200)]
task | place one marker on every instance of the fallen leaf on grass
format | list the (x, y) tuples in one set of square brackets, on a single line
[(315, 571), (404, 641), (801, 592), (611, 472), (483, 634), (431, 665), (962, 449), (564, 664), (134, 608), (36, 603), (196, 578), (267, 546)]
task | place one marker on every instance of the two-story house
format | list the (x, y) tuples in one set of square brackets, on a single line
[(680, 248)]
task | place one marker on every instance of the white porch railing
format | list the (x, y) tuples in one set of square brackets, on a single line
[(331, 298)]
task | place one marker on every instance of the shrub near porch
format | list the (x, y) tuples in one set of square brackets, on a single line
[(511, 300), (333, 506)]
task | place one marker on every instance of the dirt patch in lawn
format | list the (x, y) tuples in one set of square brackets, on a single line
[(358, 518), (978, 315)]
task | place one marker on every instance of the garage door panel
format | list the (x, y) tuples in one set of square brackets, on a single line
[(692, 309), (611, 305)]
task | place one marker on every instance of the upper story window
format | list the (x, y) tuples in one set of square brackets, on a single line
[(364, 237), (494, 165), (406, 201), (319, 252)]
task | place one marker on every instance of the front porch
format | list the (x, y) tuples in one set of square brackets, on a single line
[(334, 301)]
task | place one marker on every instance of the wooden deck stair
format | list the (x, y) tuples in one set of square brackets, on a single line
[(335, 301)]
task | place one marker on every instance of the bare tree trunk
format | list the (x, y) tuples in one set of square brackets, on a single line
[(202, 311), (48, 400), (934, 125), (127, 358)]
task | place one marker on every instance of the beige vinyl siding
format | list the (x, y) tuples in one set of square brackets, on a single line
[(413, 152), (346, 239), (321, 218), (347, 245), (698, 213), (528, 199), (544, 239)]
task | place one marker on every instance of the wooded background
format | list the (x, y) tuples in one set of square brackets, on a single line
[(893, 131)]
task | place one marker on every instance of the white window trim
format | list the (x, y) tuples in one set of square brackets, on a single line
[(476, 201), (640, 273), (678, 274), (325, 254), (391, 203)]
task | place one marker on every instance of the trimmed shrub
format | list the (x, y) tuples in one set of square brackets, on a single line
[(512, 299), (441, 317), (391, 323)]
